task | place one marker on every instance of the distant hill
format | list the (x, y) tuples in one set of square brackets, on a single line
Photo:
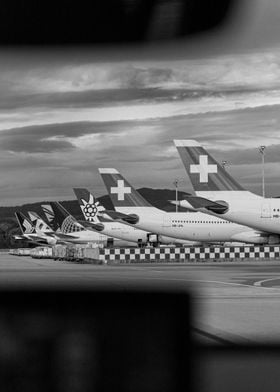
[(8, 224)]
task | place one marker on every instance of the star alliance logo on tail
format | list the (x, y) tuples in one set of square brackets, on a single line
[(120, 190), (203, 168)]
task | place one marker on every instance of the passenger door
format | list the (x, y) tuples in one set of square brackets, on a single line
[(265, 210)]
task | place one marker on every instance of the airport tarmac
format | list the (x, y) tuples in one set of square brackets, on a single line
[(233, 301)]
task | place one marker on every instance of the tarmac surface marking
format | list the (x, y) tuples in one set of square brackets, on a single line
[(232, 301)]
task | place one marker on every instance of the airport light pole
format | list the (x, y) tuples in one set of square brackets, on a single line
[(261, 151), (176, 192), (224, 164)]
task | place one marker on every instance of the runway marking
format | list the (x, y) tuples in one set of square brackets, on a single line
[(260, 282), (213, 337), (194, 280), (256, 285)]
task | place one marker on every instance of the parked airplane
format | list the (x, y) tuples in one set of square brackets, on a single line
[(33, 234), (219, 194), (67, 224), (42, 227), (132, 208), (91, 207)]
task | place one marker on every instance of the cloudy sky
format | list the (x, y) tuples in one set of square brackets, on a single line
[(64, 114)]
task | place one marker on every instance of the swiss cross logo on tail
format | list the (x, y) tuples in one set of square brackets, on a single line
[(203, 168), (120, 189)]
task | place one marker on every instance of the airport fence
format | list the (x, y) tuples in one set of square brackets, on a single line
[(90, 254), (189, 254)]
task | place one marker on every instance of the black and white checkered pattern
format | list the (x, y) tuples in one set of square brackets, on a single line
[(190, 254)]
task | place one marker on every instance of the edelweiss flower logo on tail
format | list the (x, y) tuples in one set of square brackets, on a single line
[(90, 209)]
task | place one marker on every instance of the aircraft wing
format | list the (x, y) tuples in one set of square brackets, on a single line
[(218, 207), (119, 216)]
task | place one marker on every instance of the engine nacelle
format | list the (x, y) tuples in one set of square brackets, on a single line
[(256, 238), (51, 241)]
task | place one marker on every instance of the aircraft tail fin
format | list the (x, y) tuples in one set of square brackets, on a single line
[(122, 194), (205, 173), (25, 224), (39, 223), (89, 205), (63, 220), (48, 211)]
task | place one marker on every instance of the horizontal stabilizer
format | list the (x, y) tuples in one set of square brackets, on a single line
[(18, 237), (218, 207), (128, 218), (92, 226), (184, 207), (62, 236)]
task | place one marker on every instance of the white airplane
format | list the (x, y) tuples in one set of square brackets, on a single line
[(132, 208), (219, 194), (91, 207)]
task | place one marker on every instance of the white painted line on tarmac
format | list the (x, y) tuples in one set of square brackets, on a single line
[(256, 284), (230, 284), (260, 282), (174, 279)]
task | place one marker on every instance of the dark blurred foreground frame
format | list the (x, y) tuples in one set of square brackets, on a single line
[(238, 367), (95, 340), (25, 22), (130, 340)]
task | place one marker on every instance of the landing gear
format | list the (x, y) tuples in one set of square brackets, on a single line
[(141, 244)]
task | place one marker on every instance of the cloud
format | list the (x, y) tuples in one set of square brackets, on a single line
[(49, 138), (59, 123)]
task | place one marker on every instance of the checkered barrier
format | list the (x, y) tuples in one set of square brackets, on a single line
[(188, 254)]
